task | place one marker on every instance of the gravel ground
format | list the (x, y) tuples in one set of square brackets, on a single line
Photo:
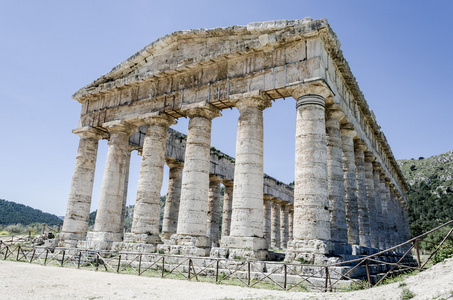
[(32, 281)]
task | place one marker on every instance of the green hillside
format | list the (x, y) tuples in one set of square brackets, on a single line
[(430, 197), (14, 213)]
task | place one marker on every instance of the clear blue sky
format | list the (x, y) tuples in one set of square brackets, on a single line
[(399, 51)]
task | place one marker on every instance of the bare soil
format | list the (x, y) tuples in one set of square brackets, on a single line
[(32, 281)]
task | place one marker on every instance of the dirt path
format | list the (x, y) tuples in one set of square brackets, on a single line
[(32, 281)]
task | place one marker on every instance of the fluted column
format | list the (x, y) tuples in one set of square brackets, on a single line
[(213, 210), (362, 200), (227, 208), (378, 204), (371, 195), (247, 227), (107, 227), (275, 225), (350, 183), (311, 195), (192, 221), (283, 225), (75, 225), (171, 210), (338, 227), (267, 218), (145, 225)]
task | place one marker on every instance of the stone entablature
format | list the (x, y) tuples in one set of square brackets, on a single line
[(340, 150)]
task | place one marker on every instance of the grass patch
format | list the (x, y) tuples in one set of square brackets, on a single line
[(407, 294)]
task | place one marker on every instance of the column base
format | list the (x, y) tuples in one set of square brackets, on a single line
[(102, 240), (69, 239), (142, 238), (233, 247), (310, 252), (187, 245)]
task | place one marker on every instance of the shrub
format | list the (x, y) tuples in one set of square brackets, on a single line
[(446, 251)]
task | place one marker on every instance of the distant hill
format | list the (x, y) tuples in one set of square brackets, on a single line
[(430, 197), (14, 213)]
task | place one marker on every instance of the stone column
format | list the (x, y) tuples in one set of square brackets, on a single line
[(126, 185), (192, 222), (145, 226), (227, 208), (350, 183), (247, 228), (267, 218), (107, 227), (393, 217), (275, 225), (384, 205), (290, 224), (311, 195), (213, 210), (283, 225), (171, 210), (371, 195), (378, 204), (338, 227), (362, 200), (75, 225)]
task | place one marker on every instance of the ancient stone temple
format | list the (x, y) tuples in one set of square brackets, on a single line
[(349, 195)]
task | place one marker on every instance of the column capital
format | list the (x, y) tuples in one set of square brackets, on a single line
[(206, 110), (369, 157), (173, 163), (360, 145), (214, 178), (318, 88), (120, 126), (227, 183), (333, 112), (348, 131), (90, 132), (256, 99), (377, 167), (154, 118)]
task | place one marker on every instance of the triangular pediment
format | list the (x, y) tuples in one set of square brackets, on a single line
[(182, 50)]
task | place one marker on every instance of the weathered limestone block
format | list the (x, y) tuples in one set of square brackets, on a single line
[(75, 224), (108, 218), (350, 184), (147, 207), (171, 210), (338, 227), (362, 200)]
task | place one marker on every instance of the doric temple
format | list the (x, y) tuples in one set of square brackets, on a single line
[(349, 196)]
